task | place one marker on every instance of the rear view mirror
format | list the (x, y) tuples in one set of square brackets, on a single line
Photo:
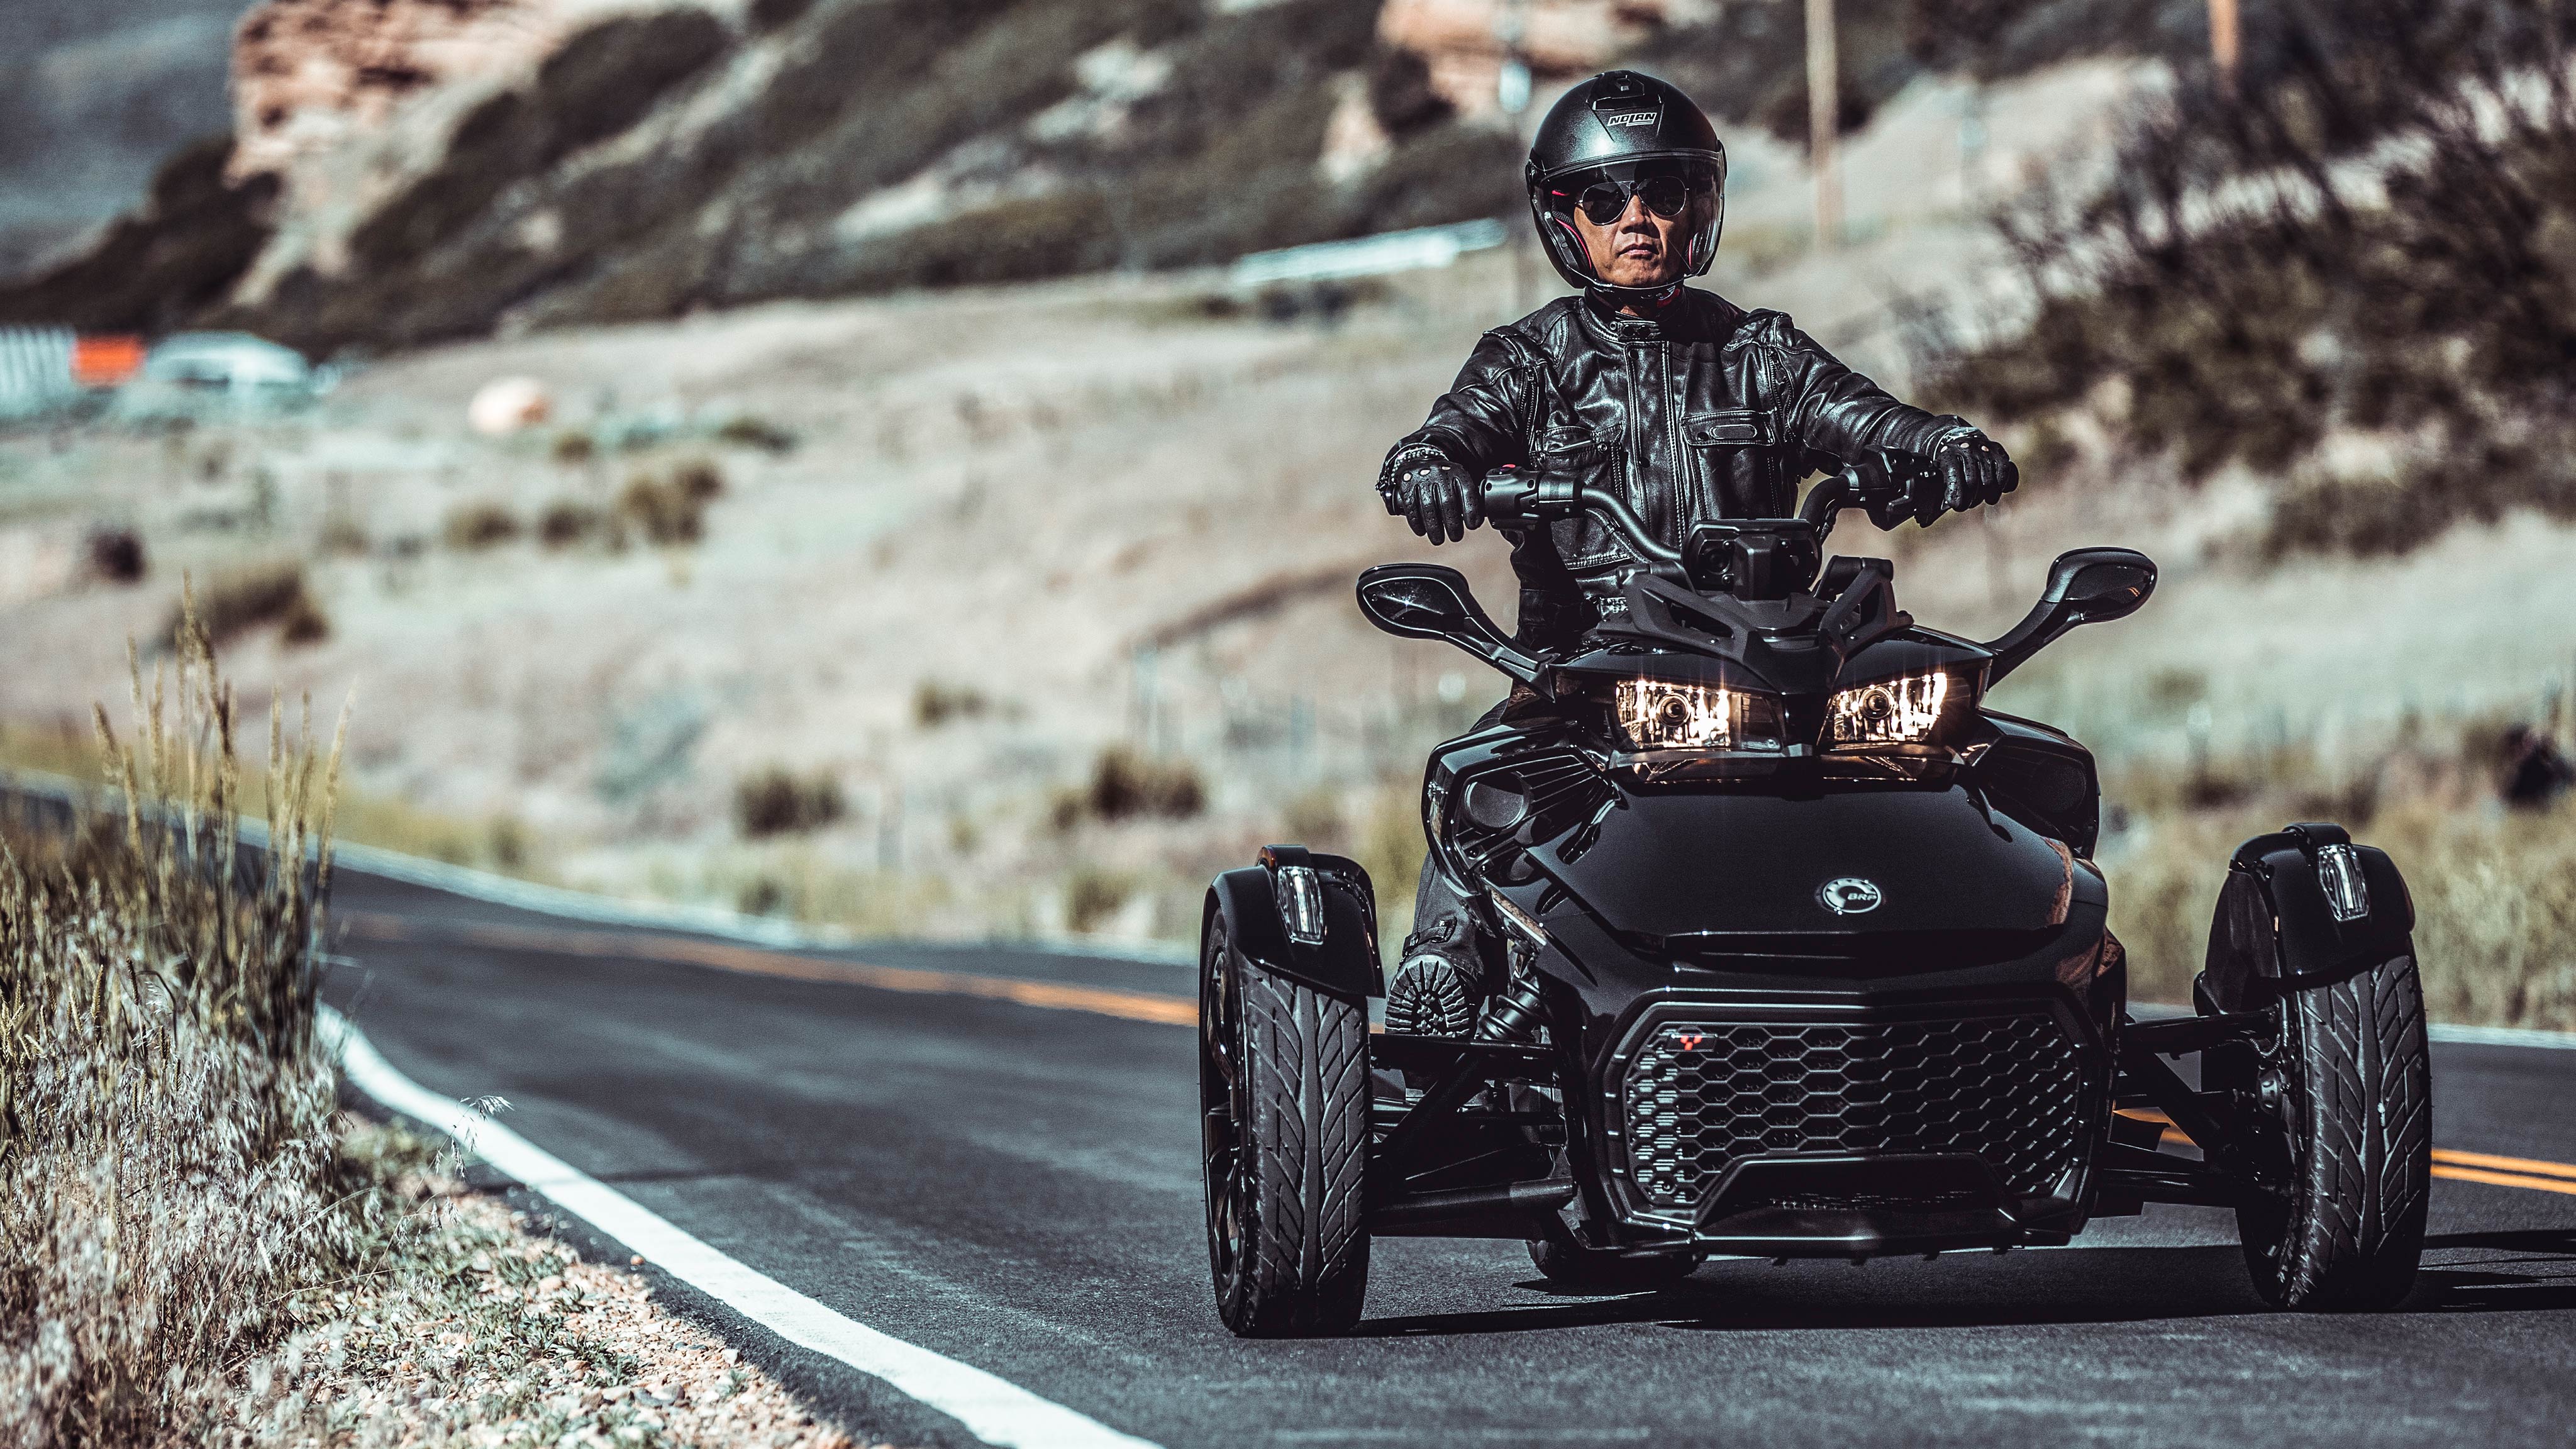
[(2101, 584), (2085, 586), (1428, 601)]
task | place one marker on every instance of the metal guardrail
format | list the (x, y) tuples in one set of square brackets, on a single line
[(35, 370)]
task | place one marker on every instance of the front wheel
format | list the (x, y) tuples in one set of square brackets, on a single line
[(2344, 1095), (1284, 1110)]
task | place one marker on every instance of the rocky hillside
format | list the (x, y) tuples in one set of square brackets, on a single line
[(94, 94), (413, 170)]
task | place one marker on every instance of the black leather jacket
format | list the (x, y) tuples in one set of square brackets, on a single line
[(1702, 411)]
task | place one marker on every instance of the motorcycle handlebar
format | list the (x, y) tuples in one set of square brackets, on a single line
[(1878, 479)]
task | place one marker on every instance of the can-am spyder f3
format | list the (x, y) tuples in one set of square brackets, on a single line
[(1787, 947)]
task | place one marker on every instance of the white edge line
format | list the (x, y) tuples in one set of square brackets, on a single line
[(2512, 1036), (993, 1408)]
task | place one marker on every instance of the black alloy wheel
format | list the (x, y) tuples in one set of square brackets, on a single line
[(1284, 1122)]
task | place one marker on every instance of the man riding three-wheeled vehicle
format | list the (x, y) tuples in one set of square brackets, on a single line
[(1745, 929)]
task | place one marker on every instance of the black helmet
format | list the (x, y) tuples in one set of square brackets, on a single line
[(1622, 126)]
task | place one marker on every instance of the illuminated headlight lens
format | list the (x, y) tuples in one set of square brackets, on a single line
[(1661, 714), (1900, 711)]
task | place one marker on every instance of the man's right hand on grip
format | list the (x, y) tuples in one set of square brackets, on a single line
[(1437, 497)]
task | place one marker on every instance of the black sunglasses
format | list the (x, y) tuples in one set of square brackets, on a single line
[(1605, 201)]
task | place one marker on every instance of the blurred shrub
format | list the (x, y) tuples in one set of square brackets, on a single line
[(774, 801), (478, 525), (570, 521), (1314, 819), (574, 447), (114, 555), (751, 432), (935, 704), (673, 510), (1092, 896), (1125, 785), (240, 600)]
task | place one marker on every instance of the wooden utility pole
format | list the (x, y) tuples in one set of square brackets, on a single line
[(2223, 46), (1824, 109)]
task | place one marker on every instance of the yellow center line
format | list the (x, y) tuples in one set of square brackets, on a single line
[(725, 956), (2502, 1179), (2505, 1164), (2530, 1173), (2482, 1167)]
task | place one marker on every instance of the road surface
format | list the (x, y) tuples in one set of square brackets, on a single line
[(992, 1154)]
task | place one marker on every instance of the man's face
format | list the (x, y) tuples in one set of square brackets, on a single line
[(1638, 249)]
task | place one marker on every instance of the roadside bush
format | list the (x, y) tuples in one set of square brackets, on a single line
[(241, 600), (774, 801), (673, 510), (168, 1172), (935, 704), (751, 432), (480, 525), (1092, 896), (1125, 784), (114, 555), (567, 522)]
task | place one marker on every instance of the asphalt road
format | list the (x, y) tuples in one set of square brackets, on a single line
[(1015, 1185)]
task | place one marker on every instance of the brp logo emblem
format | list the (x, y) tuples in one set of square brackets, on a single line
[(1849, 896)]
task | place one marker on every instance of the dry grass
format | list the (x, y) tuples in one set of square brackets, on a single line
[(502, 842), (167, 1166), (2494, 889), (240, 600), (482, 524), (194, 1247), (775, 801)]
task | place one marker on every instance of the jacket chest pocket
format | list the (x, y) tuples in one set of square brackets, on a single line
[(1735, 453), (1583, 456)]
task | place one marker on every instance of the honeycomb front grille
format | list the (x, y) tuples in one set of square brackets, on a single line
[(1699, 1094)]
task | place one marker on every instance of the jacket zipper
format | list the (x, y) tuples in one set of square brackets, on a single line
[(1685, 466)]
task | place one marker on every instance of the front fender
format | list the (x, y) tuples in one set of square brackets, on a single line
[(2275, 931), (1344, 964)]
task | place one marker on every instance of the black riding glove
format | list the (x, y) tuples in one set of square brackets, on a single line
[(1972, 469), (1435, 496)]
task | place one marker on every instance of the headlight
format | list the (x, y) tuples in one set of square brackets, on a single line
[(1663, 714), (1899, 711)]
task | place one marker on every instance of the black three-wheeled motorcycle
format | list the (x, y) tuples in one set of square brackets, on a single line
[(1788, 948)]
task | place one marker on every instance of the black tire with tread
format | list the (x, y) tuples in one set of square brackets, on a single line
[(2357, 1125), (1293, 1256)]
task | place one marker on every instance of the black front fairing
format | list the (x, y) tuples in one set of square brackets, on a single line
[(1720, 862), (1670, 901)]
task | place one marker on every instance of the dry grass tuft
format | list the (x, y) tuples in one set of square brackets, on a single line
[(167, 1166), (238, 601), (483, 524), (1125, 785), (673, 510), (2494, 888), (775, 801)]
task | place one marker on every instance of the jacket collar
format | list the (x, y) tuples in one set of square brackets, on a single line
[(1687, 316)]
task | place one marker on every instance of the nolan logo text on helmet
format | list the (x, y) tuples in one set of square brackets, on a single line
[(1633, 118)]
